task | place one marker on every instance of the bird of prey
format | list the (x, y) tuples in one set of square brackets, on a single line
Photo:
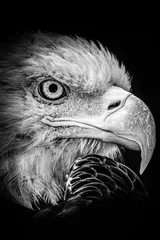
[(66, 115)]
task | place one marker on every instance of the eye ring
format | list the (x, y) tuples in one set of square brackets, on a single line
[(51, 89)]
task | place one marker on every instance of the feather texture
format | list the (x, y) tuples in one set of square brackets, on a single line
[(35, 157)]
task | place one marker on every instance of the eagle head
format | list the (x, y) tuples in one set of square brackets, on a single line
[(60, 98)]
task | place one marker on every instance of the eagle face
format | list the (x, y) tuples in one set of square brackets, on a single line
[(61, 98)]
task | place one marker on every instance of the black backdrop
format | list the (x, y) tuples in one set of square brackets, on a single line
[(138, 51)]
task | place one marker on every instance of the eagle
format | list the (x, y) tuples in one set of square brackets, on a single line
[(67, 114)]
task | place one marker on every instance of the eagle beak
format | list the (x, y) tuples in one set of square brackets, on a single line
[(134, 122), (124, 120)]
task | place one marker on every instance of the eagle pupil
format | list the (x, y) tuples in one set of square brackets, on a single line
[(53, 88)]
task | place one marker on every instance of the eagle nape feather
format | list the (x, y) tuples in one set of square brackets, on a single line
[(67, 112), (99, 191)]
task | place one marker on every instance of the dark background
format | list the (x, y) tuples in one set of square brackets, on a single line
[(138, 52)]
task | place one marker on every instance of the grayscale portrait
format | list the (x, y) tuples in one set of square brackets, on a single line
[(77, 130)]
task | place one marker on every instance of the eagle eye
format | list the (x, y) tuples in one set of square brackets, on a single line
[(51, 89)]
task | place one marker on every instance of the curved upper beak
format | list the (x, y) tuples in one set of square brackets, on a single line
[(125, 120), (134, 122)]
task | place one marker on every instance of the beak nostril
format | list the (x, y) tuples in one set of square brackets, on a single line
[(114, 105)]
